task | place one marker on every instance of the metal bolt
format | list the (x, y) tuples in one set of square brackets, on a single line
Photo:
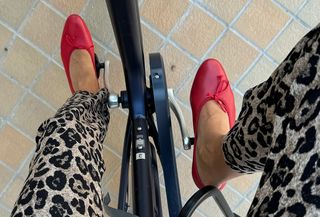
[(113, 100), (156, 76), (139, 128)]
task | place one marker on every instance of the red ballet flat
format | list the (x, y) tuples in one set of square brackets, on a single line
[(76, 35), (210, 83)]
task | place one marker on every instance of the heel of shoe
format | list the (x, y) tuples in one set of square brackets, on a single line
[(197, 180)]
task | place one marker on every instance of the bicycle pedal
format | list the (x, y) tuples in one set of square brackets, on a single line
[(98, 64)]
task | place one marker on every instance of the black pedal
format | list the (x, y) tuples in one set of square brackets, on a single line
[(99, 65)]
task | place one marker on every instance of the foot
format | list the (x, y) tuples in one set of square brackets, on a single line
[(76, 36), (213, 125), (82, 72), (213, 113)]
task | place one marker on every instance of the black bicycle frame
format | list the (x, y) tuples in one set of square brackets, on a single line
[(125, 19), (126, 25)]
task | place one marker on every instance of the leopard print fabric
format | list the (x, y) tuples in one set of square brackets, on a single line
[(67, 167), (278, 132)]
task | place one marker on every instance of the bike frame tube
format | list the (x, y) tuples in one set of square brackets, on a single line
[(125, 20), (123, 187)]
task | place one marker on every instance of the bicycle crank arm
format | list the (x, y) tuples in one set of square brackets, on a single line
[(187, 141)]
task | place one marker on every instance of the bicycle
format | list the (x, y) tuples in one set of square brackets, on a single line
[(143, 102)]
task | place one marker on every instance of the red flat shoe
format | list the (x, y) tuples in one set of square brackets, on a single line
[(75, 35), (210, 83)]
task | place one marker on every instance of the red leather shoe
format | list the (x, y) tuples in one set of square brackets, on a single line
[(75, 35), (210, 83)]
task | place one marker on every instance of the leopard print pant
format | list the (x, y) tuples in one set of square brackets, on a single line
[(67, 167), (277, 132)]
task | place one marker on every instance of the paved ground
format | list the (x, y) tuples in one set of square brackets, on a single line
[(250, 37)]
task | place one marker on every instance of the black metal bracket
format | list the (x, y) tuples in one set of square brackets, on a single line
[(112, 212), (166, 146)]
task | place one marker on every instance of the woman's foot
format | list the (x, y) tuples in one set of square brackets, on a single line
[(213, 125), (77, 54), (82, 72), (213, 112)]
